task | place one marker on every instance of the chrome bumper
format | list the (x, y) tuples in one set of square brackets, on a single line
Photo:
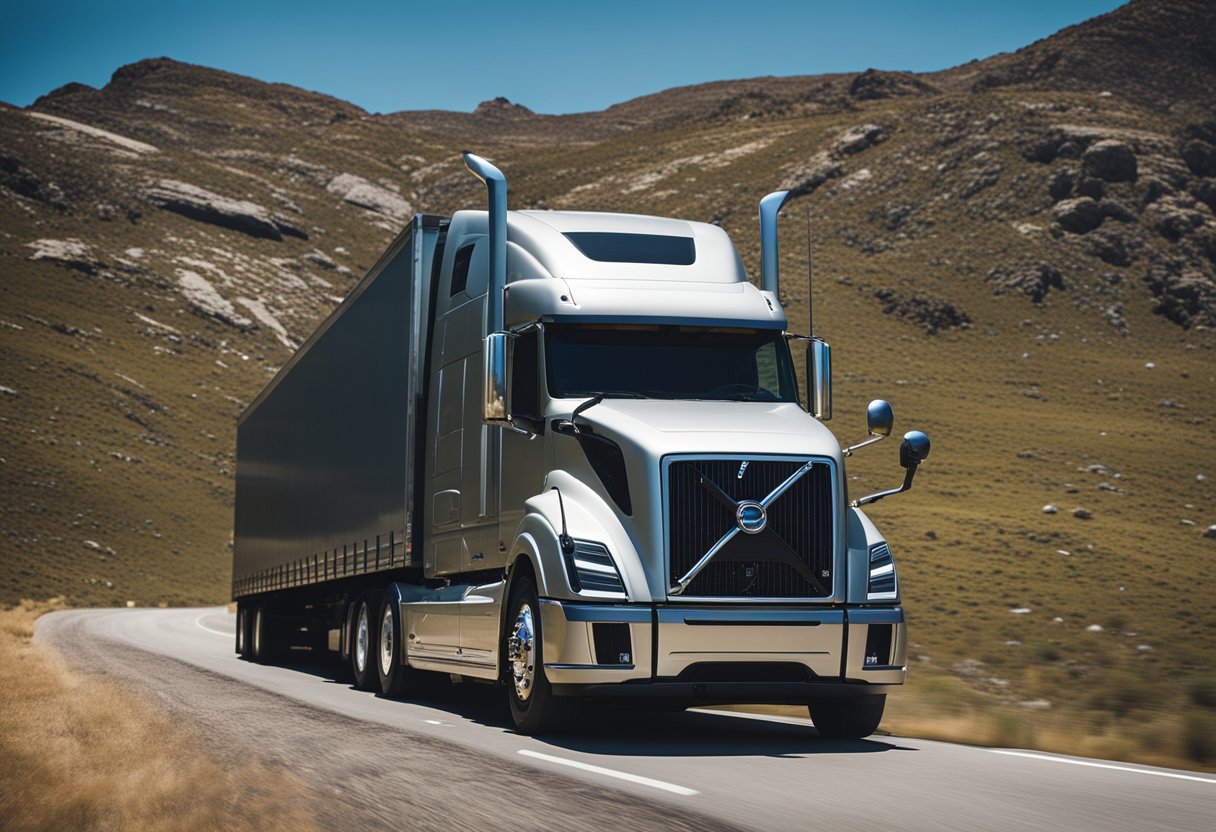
[(674, 645)]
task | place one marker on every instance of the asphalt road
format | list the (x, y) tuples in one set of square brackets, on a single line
[(456, 762)]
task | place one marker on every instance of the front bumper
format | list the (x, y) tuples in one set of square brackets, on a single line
[(722, 654)]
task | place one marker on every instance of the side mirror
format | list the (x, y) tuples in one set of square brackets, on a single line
[(819, 379), (912, 452), (914, 449), (880, 419), (494, 407)]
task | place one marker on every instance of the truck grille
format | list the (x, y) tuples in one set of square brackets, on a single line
[(774, 564)]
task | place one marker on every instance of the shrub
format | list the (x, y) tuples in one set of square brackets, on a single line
[(1202, 691)]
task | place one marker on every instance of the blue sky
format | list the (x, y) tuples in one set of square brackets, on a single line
[(555, 57)]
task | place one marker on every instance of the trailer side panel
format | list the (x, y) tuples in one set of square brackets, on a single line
[(325, 456)]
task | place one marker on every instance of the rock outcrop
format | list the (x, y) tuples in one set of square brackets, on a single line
[(1034, 280), (203, 205), (1080, 215), (1110, 161)]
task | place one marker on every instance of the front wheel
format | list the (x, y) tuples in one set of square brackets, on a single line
[(851, 717), (395, 676), (534, 706)]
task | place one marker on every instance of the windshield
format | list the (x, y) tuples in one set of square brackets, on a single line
[(669, 362)]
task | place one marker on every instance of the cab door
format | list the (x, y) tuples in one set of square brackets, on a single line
[(463, 500)]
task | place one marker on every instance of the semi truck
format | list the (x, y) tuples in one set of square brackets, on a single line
[(564, 453)]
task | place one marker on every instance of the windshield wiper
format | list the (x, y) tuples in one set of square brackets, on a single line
[(621, 394), (754, 396), (569, 425)]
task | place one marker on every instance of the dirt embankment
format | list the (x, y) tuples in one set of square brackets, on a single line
[(81, 753)]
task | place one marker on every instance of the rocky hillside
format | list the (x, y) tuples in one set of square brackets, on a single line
[(1019, 253)]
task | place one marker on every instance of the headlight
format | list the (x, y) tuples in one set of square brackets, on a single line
[(882, 584), (592, 571)]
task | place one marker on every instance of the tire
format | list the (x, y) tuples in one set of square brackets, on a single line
[(534, 706), (363, 643), (396, 679), (847, 718), (258, 645), (242, 629)]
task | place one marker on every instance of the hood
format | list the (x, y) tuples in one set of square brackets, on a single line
[(659, 427)]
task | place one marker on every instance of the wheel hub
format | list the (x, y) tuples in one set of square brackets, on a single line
[(361, 639), (521, 653), (386, 642)]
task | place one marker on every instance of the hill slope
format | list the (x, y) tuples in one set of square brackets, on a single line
[(1019, 254)]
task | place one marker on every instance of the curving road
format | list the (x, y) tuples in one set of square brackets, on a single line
[(457, 763)]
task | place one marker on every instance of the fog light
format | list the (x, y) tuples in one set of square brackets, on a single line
[(878, 645), (613, 645)]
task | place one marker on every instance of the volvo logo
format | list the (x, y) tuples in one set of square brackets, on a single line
[(742, 470), (751, 517)]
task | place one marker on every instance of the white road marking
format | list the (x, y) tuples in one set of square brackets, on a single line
[(198, 622), (1092, 764), (608, 772)]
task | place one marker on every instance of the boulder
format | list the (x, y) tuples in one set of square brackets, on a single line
[(1031, 279), (1110, 160), (1115, 210), (1204, 190), (203, 205), (813, 174), (1184, 295), (70, 253), (1153, 188), (1080, 215), (1175, 217), (1042, 150), (1090, 187), (1200, 157), (358, 191), (858, 139), (1110, 246), (1059, 184)]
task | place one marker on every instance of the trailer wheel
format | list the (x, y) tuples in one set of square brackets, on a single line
[(396, 679), (363, 642), (849, 717), (534, 706), (241, 639), (257, 634)]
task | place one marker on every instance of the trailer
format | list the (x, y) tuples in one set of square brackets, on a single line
[(564, 453)]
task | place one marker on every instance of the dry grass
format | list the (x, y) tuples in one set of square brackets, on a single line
[(79, 753)]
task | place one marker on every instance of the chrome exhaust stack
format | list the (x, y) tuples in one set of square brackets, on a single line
[(496, 184), (770, 206), (818, 353), (495, 409)]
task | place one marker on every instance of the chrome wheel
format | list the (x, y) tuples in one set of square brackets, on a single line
[(386, 641), (362, 636), (257, 633), (521, 652)]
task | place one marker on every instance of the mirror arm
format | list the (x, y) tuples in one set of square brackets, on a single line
[(849, 450), (873, 498)]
